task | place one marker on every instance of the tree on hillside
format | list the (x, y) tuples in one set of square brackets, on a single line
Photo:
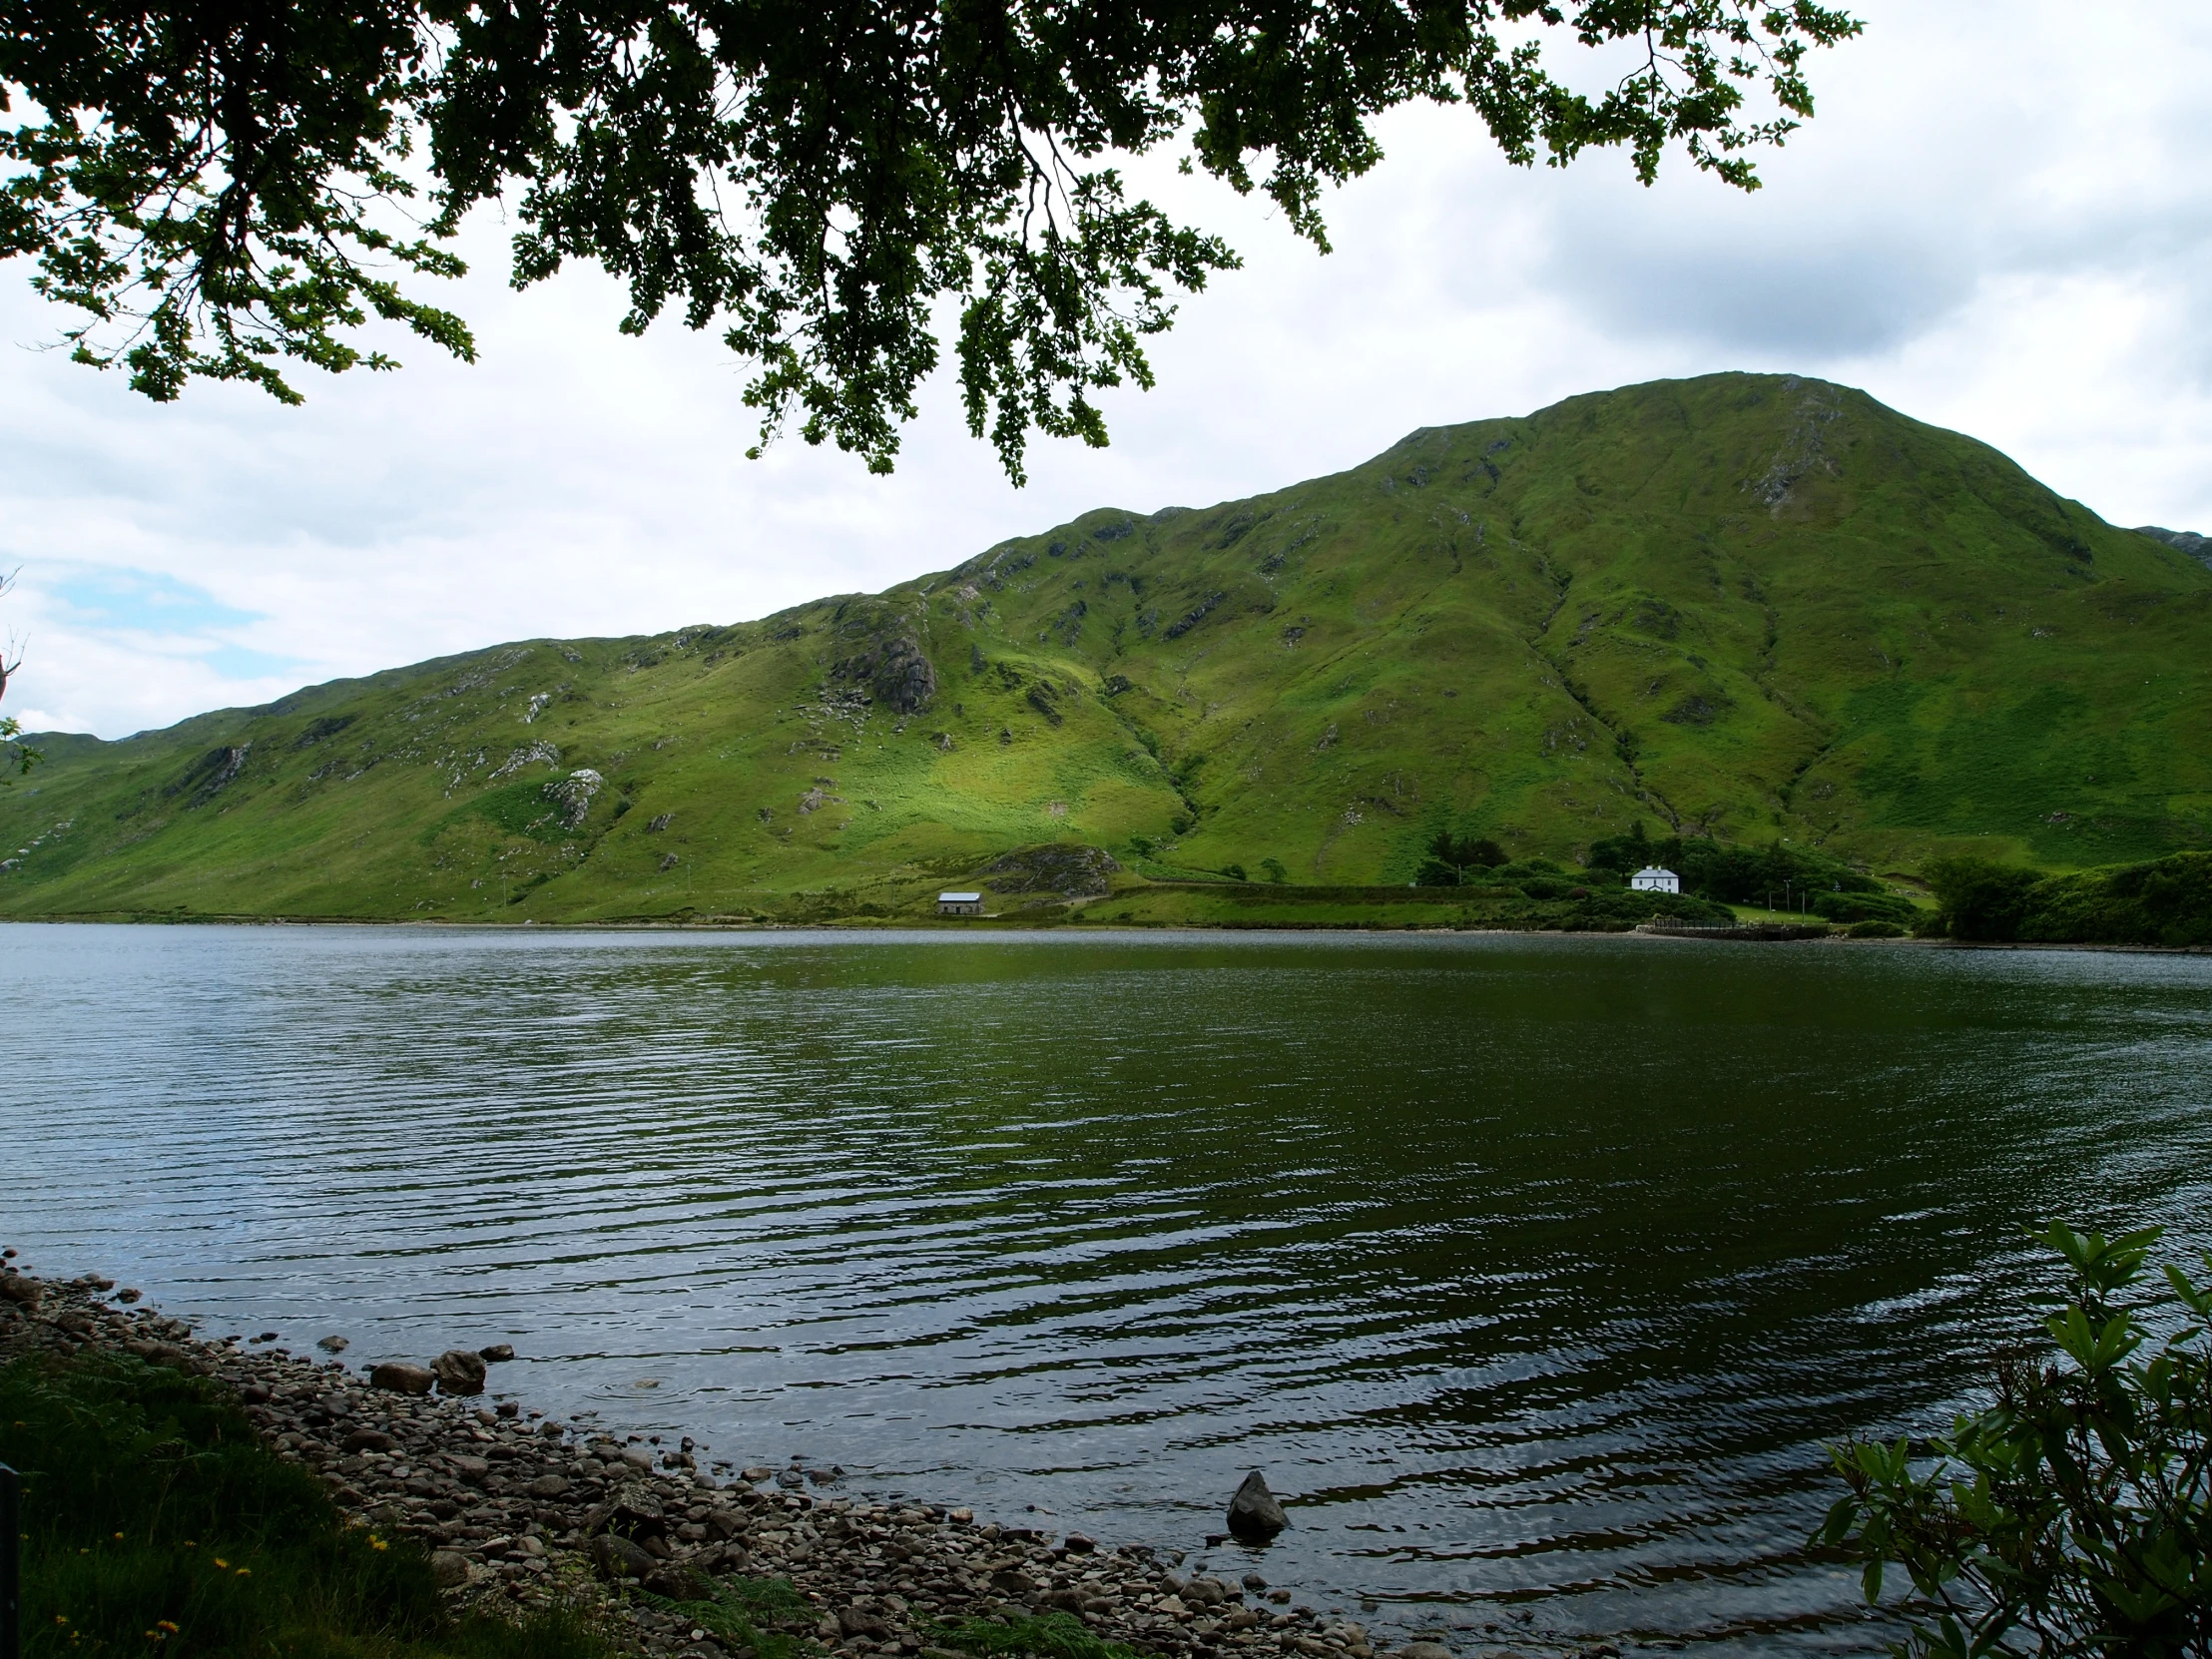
[(225, 188), (1454, 859)]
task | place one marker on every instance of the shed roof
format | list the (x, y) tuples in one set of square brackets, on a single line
[(959, 898)]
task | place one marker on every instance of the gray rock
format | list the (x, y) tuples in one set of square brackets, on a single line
[(332, 1345), (678, 1584), (25, 1293), (1425, 1650), (401, 1379), (470, 1470), (366, 1439), (449, 1568), (547, 1485), (1253, 1514), (497, 1354), (618, 1557), (458, 1372)]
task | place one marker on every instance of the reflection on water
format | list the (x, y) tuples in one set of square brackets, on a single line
[(1536, 1270)]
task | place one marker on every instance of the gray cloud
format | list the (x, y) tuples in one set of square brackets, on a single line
[(1999, 223)]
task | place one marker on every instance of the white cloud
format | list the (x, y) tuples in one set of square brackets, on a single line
[(1999, 223)]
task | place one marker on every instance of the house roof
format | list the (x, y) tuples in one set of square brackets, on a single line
[(959, 898), (1654, 870)]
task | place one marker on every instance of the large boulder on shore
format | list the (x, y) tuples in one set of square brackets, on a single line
[(400, 1377), (617, 1557), (458, 1372), (1254, 1514), (677, 1583)]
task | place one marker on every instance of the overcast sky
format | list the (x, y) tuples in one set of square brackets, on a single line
[(1997, 223)]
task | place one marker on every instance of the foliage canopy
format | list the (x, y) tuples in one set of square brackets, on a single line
[(225, 189), (2073, 1515), (2162, 901)]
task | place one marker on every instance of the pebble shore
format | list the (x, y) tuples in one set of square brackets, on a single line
[(518, 1510)]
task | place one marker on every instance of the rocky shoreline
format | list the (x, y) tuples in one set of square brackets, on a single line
[(521, 1509)]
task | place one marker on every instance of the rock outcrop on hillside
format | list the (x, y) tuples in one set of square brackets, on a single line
[(1754, 608)]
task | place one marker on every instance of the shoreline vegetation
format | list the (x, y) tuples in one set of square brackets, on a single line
[(2161, 906), (186, 1495)]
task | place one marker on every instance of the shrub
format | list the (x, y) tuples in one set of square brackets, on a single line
[(1979, 898), (1864, 906), (2165, 901), (1453, 861), (2073, 1515), (1874, 930)]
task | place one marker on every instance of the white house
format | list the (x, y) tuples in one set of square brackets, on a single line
[(959, 905), (1651, 878)]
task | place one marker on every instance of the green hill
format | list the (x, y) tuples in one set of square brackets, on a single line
[(1743, 607)]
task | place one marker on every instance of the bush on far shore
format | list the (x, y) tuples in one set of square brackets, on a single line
[(2167, 901)]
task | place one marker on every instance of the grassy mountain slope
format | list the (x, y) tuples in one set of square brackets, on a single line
[(1741, 606)]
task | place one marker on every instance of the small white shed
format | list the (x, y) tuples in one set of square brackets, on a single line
[(959, 905), (1651, 878)]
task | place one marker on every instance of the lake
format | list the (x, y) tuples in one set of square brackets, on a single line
[(1534, 1272)]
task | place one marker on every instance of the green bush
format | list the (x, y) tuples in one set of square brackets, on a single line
[(1864, 906), (1453, 861), (2167, 901), (1874, 930), (2073, 1515), (1979, 898), (156, 1521)]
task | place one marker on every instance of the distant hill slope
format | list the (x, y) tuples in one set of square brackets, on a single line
[(1742, 606), (2197, 547)]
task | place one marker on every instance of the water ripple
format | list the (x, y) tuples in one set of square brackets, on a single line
[(1536, 1270)]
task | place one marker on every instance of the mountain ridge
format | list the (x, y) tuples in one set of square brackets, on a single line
[(1754, 607)]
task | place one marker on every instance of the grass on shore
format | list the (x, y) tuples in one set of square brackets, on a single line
[(1048, 1635), (155, 1521), (1265, 905), (745, 1613)]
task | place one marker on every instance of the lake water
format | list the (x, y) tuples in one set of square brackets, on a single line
[(1534, 1272)]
